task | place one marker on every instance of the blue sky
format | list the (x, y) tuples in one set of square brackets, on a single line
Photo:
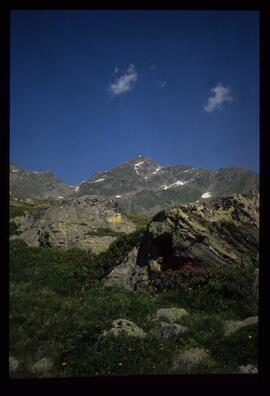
[(93, 89)]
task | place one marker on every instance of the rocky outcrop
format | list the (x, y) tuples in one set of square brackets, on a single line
[(86, 222), (122, 327), (218, 233), (232, 327), (128, 275)]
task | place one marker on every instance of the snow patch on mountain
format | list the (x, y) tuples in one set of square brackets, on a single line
[(207, 194), (177, 183), (156, 171), (98, 180), (138, 164)]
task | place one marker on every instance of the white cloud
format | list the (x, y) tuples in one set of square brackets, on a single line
[(125, 82), (220, 94), (116, 70)]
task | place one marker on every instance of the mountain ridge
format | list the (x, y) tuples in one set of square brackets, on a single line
[(140, 184)]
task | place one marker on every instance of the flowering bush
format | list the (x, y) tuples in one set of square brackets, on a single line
[(187, 277), (227, 283)]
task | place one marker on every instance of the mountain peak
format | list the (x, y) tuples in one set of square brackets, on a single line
[(141, 158)]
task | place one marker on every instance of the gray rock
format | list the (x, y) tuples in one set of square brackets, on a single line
[(43, 365), (189, 358), (248, 369), (128, 275), (232, 327), (169, 330), (171, 314), (13, 364), (74, 222), (124, 327), (214, 234)]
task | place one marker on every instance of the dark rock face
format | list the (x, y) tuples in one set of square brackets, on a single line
[(214, 234)]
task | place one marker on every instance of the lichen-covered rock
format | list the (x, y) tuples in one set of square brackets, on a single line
[(169, 330), (232, 327), (124, 327), (213, 234), (13, 364), (128, 275), (43, 366), (248, 369), (189, 358), (171, 314), (85, 222)]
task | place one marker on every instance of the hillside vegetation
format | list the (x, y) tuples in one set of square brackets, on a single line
[(59, 309)]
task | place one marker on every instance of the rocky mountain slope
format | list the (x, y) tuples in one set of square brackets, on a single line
[(85, 222), (141, 185), (32, 184)]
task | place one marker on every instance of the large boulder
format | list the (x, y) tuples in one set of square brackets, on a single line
[(128, 275), (211, 234), (124, 327), (171, 314)]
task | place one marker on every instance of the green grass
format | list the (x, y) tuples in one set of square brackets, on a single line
[(140, 220), (58, 309), (20, 206), (100, 232)]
